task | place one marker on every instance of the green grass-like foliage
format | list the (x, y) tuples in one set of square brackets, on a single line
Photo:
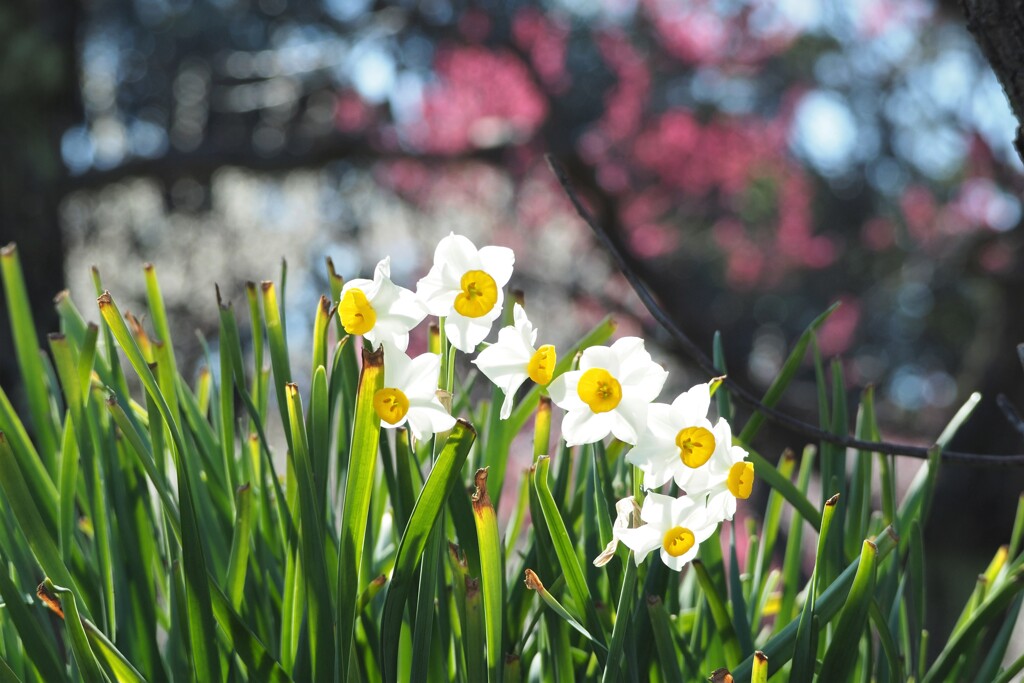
[(151, 531)]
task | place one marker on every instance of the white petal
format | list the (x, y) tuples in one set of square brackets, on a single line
[(625, 508), (497, 262), (600, 357), (661, 423), (583, 426), (690, 479), (466, 333), (505, 369), (497, 364), (693, 481), (737, 454), (607, 554), (622, 428), (659, 475), (436, 294), (519, 315), (644, 381), (693, 404), (633, 418), (388, 425), (405, 307), (722, 458), (426, 418), (458, 252), (563, 391), (396, 367), (657, 510), (631, 354), (420, 378), (721, 506), (383, 270), (730, 507), (368, 287), (510, 398), (687, 512), (525, 331), (641, 540), (506, 355), (651, 453), (703, 533), (677, 563), (390, 332)]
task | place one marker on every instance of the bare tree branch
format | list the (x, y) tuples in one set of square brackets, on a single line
[(628, 267)]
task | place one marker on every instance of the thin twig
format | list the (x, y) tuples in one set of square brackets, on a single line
[(1010, 412), (782, 419)]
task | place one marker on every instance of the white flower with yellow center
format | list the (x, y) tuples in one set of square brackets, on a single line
[(464, 286), (380, 310), (513, 359), (678, 441), (410, 394), (726, 478), (610, 393), (676, 526)]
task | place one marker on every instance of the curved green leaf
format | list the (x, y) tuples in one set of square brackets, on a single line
[(311, 542), (779, 648), (88, 666), (425, 512), (202, 631), (491, 573), (358, 488), (842, 652), (566, 552), (623, 618), (26, 347), (42, 543)]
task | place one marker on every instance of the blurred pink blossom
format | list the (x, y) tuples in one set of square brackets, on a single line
[(543, 37), (482, 98), (351, 113), (699, 32), (837, 334), (919, 210)]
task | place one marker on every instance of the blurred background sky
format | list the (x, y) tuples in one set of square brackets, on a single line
[(761, 159)]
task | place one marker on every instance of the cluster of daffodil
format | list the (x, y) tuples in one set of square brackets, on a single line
[(612, 392)]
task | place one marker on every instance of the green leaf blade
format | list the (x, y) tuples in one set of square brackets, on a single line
[(426, 511)]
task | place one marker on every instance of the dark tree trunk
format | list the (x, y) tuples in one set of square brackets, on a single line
[(998, 26)]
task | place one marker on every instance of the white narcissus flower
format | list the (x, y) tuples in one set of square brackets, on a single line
[(627, 513), (514, 358), (464, 286), (610, 393), (380, 310), (678, 440), (410, 394), (675, 525), (726, 478)]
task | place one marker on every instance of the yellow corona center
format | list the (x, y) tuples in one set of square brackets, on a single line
[(391, 405), (677, 541), (741, 479), (478, 296), (696, 445), (599, 390), (542, 365), (357, 315)]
